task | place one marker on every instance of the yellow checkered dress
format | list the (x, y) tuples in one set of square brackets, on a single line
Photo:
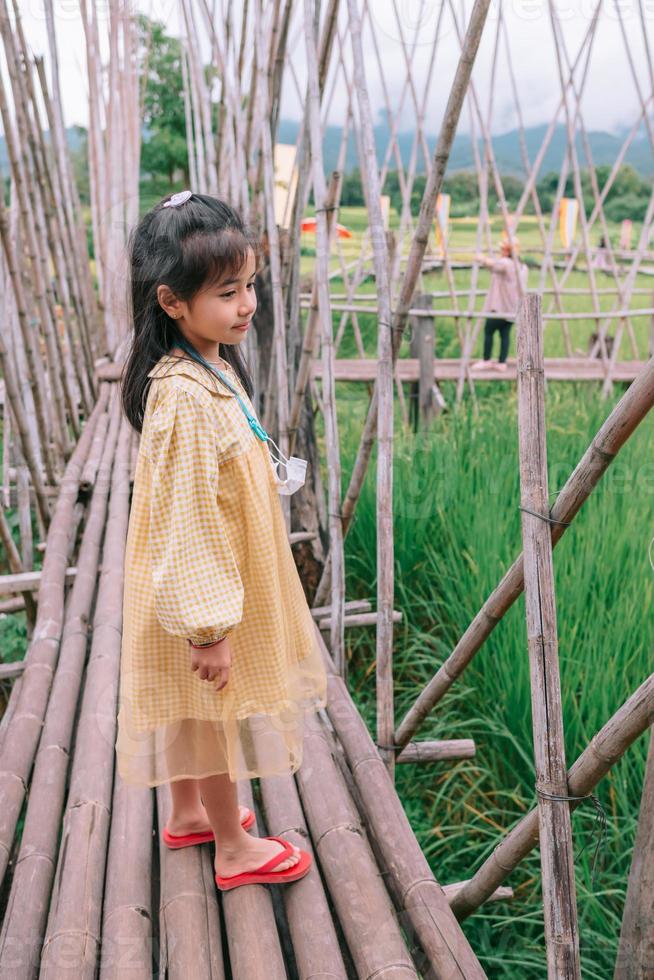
[(207, 554)]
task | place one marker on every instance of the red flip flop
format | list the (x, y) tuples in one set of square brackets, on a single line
[(203, 837), (265, 874)]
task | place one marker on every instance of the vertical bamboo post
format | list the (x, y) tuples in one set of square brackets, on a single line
[(557, 863), (422, 348), (384, 416), (636, 949), (321, 286)]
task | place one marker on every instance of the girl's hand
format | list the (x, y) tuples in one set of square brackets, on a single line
[(213, 662)]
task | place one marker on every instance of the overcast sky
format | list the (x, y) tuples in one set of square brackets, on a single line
[(609, 101)]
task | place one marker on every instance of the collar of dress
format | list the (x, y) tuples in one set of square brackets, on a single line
[(169, 366)]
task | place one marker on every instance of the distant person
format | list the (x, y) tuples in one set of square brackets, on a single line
[(601, 258), (504, 294), (594, 344)]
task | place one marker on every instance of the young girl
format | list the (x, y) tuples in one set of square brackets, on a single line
[(219, 659)]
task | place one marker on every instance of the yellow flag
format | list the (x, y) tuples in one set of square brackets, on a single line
[(442, 221), (568, 214)]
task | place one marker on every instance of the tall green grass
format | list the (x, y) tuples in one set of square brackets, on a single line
[(457, 529)]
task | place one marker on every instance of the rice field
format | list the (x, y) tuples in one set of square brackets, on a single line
[(457, 529)]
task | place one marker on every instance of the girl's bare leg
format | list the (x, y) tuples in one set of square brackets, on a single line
[(236, 849), (188, 814)]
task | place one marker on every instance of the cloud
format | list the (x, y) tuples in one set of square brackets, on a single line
[(609, 100)]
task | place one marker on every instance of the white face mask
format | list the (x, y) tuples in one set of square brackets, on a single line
[(295, 471)]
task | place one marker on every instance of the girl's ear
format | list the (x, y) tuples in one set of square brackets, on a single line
[(168, 301)]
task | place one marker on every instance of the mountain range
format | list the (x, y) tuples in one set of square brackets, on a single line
[(506, 147)]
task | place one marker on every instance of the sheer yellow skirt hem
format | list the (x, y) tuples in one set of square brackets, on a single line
[(258, 745)]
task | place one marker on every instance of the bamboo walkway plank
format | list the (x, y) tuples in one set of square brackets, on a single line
[(448, 369)]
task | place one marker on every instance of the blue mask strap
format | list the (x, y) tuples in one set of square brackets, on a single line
[(255, 425)]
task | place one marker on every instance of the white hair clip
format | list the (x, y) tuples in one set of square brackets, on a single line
[(177, 199)]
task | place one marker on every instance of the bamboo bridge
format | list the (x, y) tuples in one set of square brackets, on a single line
[(87, 889), (87, 886)]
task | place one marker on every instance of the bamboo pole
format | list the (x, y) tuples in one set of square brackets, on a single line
[(570, 124), (13, 395), (603, 751), (29, 897), (69, 198), (416, 254), (572, 257), (16, 564), (279, 337), (557, 859), (578, 118), (22, 737), (533, 195), (75, 914), (372, 931), (337, 636), (289, 805), (18, 146), (127, 915), (190, 914), (44, 202), (645, 233), (634, 959), (384, 390), (490, 157), (612, 435), (420, 901), (37, 373), (188, 120), (418, 312)]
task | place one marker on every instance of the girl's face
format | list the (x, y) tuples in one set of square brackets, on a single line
[(218, 315)]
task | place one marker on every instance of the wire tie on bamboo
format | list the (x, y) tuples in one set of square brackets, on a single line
[(600, 823), (391, 748), (545, 517), (400, 330), (328, 207)]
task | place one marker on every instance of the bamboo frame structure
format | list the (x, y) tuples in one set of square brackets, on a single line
[(607, 746), (634, 405), (68, 460)]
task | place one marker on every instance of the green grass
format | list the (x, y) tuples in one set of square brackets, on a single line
[(13, 626), (456, 531)]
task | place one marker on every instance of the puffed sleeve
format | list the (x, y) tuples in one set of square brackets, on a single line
[(198, 593)]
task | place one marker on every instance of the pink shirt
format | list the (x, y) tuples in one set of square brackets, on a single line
[(503, 295)]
